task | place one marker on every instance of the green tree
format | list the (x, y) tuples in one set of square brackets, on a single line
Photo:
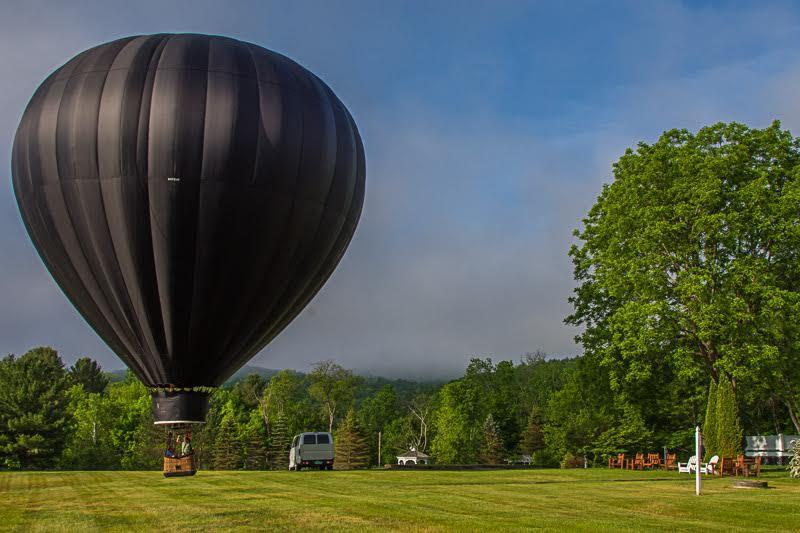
[(333, 386), (278, 454), (491, 447), (352, 450), (689, 258), (255, 442), (89, 444), (729, 432), (375, 414), (227, 448), (287, 394), (710, 444), (533, 436), (87, 372), (33, 406), (457, 437), (139, 443)]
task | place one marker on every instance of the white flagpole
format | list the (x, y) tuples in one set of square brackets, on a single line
[(697, 448)]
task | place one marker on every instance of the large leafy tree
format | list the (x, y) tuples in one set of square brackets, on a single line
[(333, 386), (689, 259), (33, 405)]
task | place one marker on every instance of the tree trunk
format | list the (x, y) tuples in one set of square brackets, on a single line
[(792, 407), (331, 414)]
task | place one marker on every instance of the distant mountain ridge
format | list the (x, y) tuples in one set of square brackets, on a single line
[(372, 382)]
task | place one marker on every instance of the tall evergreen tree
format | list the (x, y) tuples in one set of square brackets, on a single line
[(227, 450), (710, 444), (87, 372), (278, 454), (492, 447), (255, 445), (533, 436), (33, 406), (729, 430), (352, 450)]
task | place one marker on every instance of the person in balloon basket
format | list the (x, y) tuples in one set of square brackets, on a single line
[(170, 451), (186, 446)]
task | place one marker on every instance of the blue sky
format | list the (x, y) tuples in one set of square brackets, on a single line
[(489, 129)]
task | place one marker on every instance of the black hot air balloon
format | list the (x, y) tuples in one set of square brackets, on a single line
[(189, 194)]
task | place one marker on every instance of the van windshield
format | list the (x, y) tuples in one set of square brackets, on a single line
[(309, 439), (323, 439)]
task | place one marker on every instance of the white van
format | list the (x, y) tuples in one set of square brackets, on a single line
[(311, 450)]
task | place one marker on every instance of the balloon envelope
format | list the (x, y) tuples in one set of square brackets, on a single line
[(189, 194)]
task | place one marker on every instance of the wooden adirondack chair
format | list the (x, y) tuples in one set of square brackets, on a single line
[(653, 460), (755, 467), (670, 463), (637, 462), (617, 462), (741, 466), (727, 465)]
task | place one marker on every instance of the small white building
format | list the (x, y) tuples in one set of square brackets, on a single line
[(413, 457), (770, 446)]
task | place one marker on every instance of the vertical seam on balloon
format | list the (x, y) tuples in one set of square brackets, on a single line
[(111, 329), (168, 340), (253, 333), (125, 320), (131, 317), (146, 339), (200, 188), (304, 296), (145, 172), (259, 140)]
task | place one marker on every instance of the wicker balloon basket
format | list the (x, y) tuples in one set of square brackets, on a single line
[(179, 466)]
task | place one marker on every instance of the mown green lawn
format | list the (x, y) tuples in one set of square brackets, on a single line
[(587, 500)]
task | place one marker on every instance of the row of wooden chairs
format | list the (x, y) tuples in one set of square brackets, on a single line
[(640, 462), (740, 465)]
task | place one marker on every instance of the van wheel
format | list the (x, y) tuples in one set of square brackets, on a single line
[(329, 467), (297, 468)]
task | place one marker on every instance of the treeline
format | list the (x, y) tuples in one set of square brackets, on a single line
[(559, 411)]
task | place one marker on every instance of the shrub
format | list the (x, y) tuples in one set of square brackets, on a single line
[(572, 461), (794, 462), (729, 429), (710, 446)]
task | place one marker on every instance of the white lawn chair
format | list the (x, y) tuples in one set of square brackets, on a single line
[(688, 468), (711, 466)]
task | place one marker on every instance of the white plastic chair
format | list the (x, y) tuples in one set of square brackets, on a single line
[(688, 468), (711, 466)]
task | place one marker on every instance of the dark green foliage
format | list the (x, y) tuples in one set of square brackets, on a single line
[(351, 448), (710, 445), (278, 455), (533, 436), (227, 448), (33, 404), (255, 446), (87, 373), (375, 413), (491, 446), (248, 391), (729, 431), (687, 263), (332, 386)]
